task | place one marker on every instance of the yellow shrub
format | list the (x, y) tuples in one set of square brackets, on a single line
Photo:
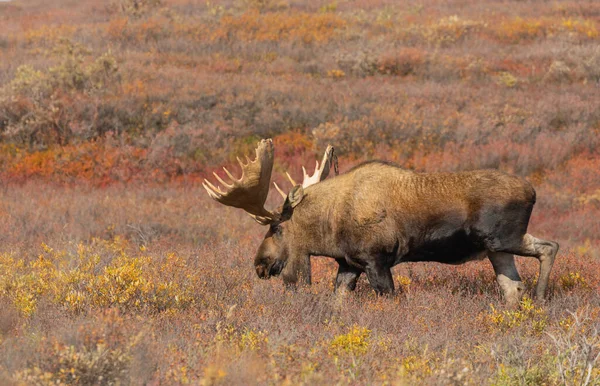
[(336, 74), (355, 342), (416, 365), (97, 358), (522, 29), (528, 313), (252, 340), (507, 79), (404, 282), (213, 374), (519, 29), (566, 323), (127, 282), (48, 34), (584, 28), (122, 282), (331, 7), (571, 280), (445, 31)]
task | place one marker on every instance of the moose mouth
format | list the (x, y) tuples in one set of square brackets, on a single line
[(276, 268), (272, 270)]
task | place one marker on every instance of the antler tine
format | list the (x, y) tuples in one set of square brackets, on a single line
[(322, 171), (261, 220), (240, 162), (225, 184), (307, 176), (328, 159), (249, 192), (229, 175), (291, 179), (213, 188), (280, 190)]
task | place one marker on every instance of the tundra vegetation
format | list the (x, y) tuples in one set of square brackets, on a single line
[(115, 266)]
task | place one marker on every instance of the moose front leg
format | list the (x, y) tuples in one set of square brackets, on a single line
[(347, 276), (297, 269), (378, 270), (380, 277), (507, 276)]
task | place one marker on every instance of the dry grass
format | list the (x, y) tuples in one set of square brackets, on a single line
[(142, 285)]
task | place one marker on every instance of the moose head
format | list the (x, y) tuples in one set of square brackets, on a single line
[(250, 191)]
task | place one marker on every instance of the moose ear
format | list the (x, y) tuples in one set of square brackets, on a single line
[(294, 197)]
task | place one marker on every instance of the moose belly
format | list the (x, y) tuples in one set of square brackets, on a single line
[(453, 248)]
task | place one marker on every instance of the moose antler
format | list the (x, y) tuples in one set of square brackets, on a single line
[(320, 173), (250, 191)]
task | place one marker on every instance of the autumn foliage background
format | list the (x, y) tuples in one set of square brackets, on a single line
[(115, 267)]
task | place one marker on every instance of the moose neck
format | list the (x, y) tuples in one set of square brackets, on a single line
[(313, 224)]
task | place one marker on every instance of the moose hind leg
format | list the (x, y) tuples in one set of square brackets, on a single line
[(545, 251), (507, 276), (347, 276)]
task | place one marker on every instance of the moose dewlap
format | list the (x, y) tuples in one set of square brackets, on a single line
[(378, 215)]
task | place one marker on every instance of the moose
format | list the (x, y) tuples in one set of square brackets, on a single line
[(378, 215)]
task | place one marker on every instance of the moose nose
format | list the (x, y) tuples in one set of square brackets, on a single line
[(262, 271)]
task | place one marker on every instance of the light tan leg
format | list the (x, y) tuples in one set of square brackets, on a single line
[(545, 251), (347, 277), (507, 276)]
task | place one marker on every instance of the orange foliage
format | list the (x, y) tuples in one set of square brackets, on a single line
[(92, 162), (49, 34), (292, 143), (403, 62), (116, 27), (151, 29), (527, 29), (519, 29), (582, 173), (298, 26)]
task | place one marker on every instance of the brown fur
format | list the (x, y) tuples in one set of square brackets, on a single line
[(378, 215)]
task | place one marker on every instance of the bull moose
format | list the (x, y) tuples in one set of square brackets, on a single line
[(378, 215)]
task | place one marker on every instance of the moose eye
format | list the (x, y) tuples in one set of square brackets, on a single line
[(276, 230)]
